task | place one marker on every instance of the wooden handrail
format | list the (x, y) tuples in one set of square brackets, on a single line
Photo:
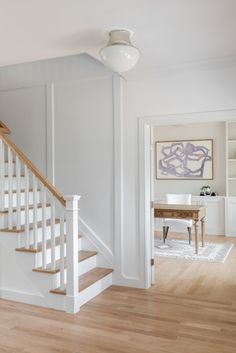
[(4, 129), (33, 168)]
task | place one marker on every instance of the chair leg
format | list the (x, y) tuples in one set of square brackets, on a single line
[(189, 234), (164, 234), (167, 230)]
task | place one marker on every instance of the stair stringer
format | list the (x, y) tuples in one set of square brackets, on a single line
[(91, 241), (17, 280), (16, 274)]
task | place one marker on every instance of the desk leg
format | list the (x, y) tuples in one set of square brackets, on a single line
[(203, 223), (196, 236)]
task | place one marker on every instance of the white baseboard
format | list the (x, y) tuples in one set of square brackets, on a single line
[(231, 234), (215, 231), (51, 301), (122, 280)]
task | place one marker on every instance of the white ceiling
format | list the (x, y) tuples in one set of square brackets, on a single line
[(168, 32)]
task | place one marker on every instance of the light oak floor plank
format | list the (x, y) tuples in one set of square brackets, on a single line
[(191, 309)]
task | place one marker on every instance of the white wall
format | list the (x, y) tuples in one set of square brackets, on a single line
[(23, 110), (84, 150), (203, 88), (216, 132), (61, 115)]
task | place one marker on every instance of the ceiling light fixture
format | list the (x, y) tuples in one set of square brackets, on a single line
[(119, 54)]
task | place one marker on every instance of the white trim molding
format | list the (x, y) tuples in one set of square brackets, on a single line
[(50, 132)]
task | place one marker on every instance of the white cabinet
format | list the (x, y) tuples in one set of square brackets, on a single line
[(230, 216), (215, 213), (231, 156)]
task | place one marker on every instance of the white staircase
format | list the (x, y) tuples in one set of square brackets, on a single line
[(44, 259)]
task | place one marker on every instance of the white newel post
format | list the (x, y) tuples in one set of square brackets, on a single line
[(72, 287)]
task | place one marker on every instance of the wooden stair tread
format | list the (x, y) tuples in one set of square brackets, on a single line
[(39, 225), (14, 176), (14, 209), (87, 279), (83, 255), (31, 249)]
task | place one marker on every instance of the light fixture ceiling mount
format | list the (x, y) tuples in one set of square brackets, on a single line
[(119, 54)]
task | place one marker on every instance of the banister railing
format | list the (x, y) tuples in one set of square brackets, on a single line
[(46, 221), (34, 169)]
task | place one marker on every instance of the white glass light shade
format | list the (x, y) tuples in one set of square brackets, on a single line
[(119, 55)]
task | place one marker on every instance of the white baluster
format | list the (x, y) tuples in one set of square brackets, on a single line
[(53, 256), (27, 208), (72, 286), (35, 212), (62, 252), (2, 174), (44, 227), (10, 194), (18, 194)]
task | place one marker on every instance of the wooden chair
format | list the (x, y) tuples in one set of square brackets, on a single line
[(177, 199)]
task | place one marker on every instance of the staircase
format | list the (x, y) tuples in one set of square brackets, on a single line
[(45, 259)]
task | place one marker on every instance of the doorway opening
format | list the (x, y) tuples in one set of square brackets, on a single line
[(171, 270)]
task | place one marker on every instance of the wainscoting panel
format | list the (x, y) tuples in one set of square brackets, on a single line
[(24, 111)]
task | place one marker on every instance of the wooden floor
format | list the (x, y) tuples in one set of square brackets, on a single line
[(191, 309)]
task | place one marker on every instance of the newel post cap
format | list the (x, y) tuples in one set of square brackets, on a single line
[(72, 197), (72, 202)]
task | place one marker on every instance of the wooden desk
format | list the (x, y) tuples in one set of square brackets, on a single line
[(192, 212)]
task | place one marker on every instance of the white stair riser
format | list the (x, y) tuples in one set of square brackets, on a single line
[(13, 168), (95, 289), (48, 232), (14, 199), (39, 234), (57, 255), (83, 267), (22, 218), (14, 184), (87, 265), (39, 256)]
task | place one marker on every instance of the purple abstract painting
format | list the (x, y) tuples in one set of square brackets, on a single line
[(184, 159)]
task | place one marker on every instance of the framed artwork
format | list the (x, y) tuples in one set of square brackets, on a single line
[(181, 160)]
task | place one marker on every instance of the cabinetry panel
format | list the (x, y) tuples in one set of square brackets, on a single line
[(230, 215)]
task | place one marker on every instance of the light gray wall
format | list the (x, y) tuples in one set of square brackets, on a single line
[(24, 112), (214, 131), (65, 105), (84, 150), (69, 68)]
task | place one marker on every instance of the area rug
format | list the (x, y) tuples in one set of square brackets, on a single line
[(180, 249)]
